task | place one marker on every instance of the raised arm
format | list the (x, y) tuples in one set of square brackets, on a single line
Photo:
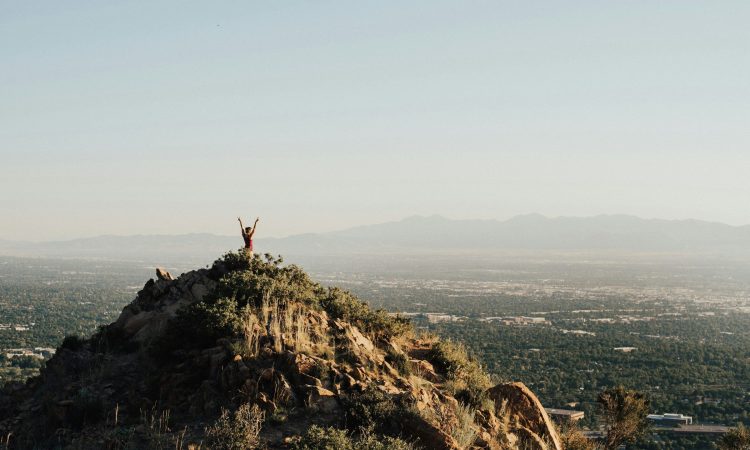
[(255, 225), (242, 227)]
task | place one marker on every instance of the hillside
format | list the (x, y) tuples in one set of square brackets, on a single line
[(416, 234), (250, 353)]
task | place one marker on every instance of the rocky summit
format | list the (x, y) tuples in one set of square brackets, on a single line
[(251, 353)]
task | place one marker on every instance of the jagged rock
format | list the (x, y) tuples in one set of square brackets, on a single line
[(234, 375), (358, 345), (430, 435), (162, 274), (424, 369), (531, 422), (320, 398)]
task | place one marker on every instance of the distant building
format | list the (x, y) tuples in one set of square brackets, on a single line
[(518, 320), (626, 349), (431, 317), (670, 419), (699, 429), (564, 415)]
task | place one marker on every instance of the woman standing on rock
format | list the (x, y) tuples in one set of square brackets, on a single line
[(247, 235)]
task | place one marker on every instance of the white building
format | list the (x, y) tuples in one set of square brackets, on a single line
[(670, 419)]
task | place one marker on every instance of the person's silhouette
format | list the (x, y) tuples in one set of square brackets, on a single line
[(247, 234)]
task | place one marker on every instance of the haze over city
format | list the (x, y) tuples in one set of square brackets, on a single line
[(174, 117)]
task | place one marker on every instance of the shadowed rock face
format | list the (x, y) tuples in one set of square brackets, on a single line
[(252, 331)]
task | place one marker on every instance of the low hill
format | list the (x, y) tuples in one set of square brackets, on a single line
[(250, 353)]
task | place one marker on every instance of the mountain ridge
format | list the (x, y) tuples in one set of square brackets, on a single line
[(432, 233)]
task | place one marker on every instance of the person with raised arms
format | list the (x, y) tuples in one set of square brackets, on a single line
[(247, 234)]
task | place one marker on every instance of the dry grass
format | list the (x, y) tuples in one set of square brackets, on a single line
[(465, 433), (574, 439), (238, 430), (288, 325), (252, 331)]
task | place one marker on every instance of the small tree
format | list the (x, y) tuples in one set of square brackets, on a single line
[(624, 413), (736, 439)]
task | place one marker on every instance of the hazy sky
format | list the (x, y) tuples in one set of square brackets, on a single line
[(176, 116)]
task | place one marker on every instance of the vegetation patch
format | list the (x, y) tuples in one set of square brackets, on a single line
[(399, 361), (238, 430), (380, 325), (318, 438), (466, 378)]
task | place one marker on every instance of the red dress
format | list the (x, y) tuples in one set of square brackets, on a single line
[(248, 241)]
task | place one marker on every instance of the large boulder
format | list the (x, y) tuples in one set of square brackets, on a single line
[(529, 422)]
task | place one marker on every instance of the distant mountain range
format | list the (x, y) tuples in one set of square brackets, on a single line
[(420, 234)]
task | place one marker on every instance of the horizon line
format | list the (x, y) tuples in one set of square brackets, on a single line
[(404, 219)]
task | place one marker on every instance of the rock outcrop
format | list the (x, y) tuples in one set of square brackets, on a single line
[(163, 274), (248, 331), (530, 418)]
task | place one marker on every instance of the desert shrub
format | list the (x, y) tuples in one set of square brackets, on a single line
[(238, 430), (573, 439), (624, 414), (378, 324), (280, 296), (202, 323), (266, 281), (232, 261), (73, 342), (377, 411), (371, 409), (370, 441), (317, 438), (735, 439), (467, 381), (399, 361), (449, 358), (464, 432)]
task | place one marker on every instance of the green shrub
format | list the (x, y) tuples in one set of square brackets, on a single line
[(623, 412), (399, 361), (466, 378), (238, 430), (317, 438), (201, 324), (378, 412), (232, 261), (369, 441), (378, 324), (371, 409), (574, 439), (735, 439)]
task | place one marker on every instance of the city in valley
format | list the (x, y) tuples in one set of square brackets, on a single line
[(567, 325)]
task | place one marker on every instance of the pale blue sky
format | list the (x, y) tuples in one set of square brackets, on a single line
[(176, 116)]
